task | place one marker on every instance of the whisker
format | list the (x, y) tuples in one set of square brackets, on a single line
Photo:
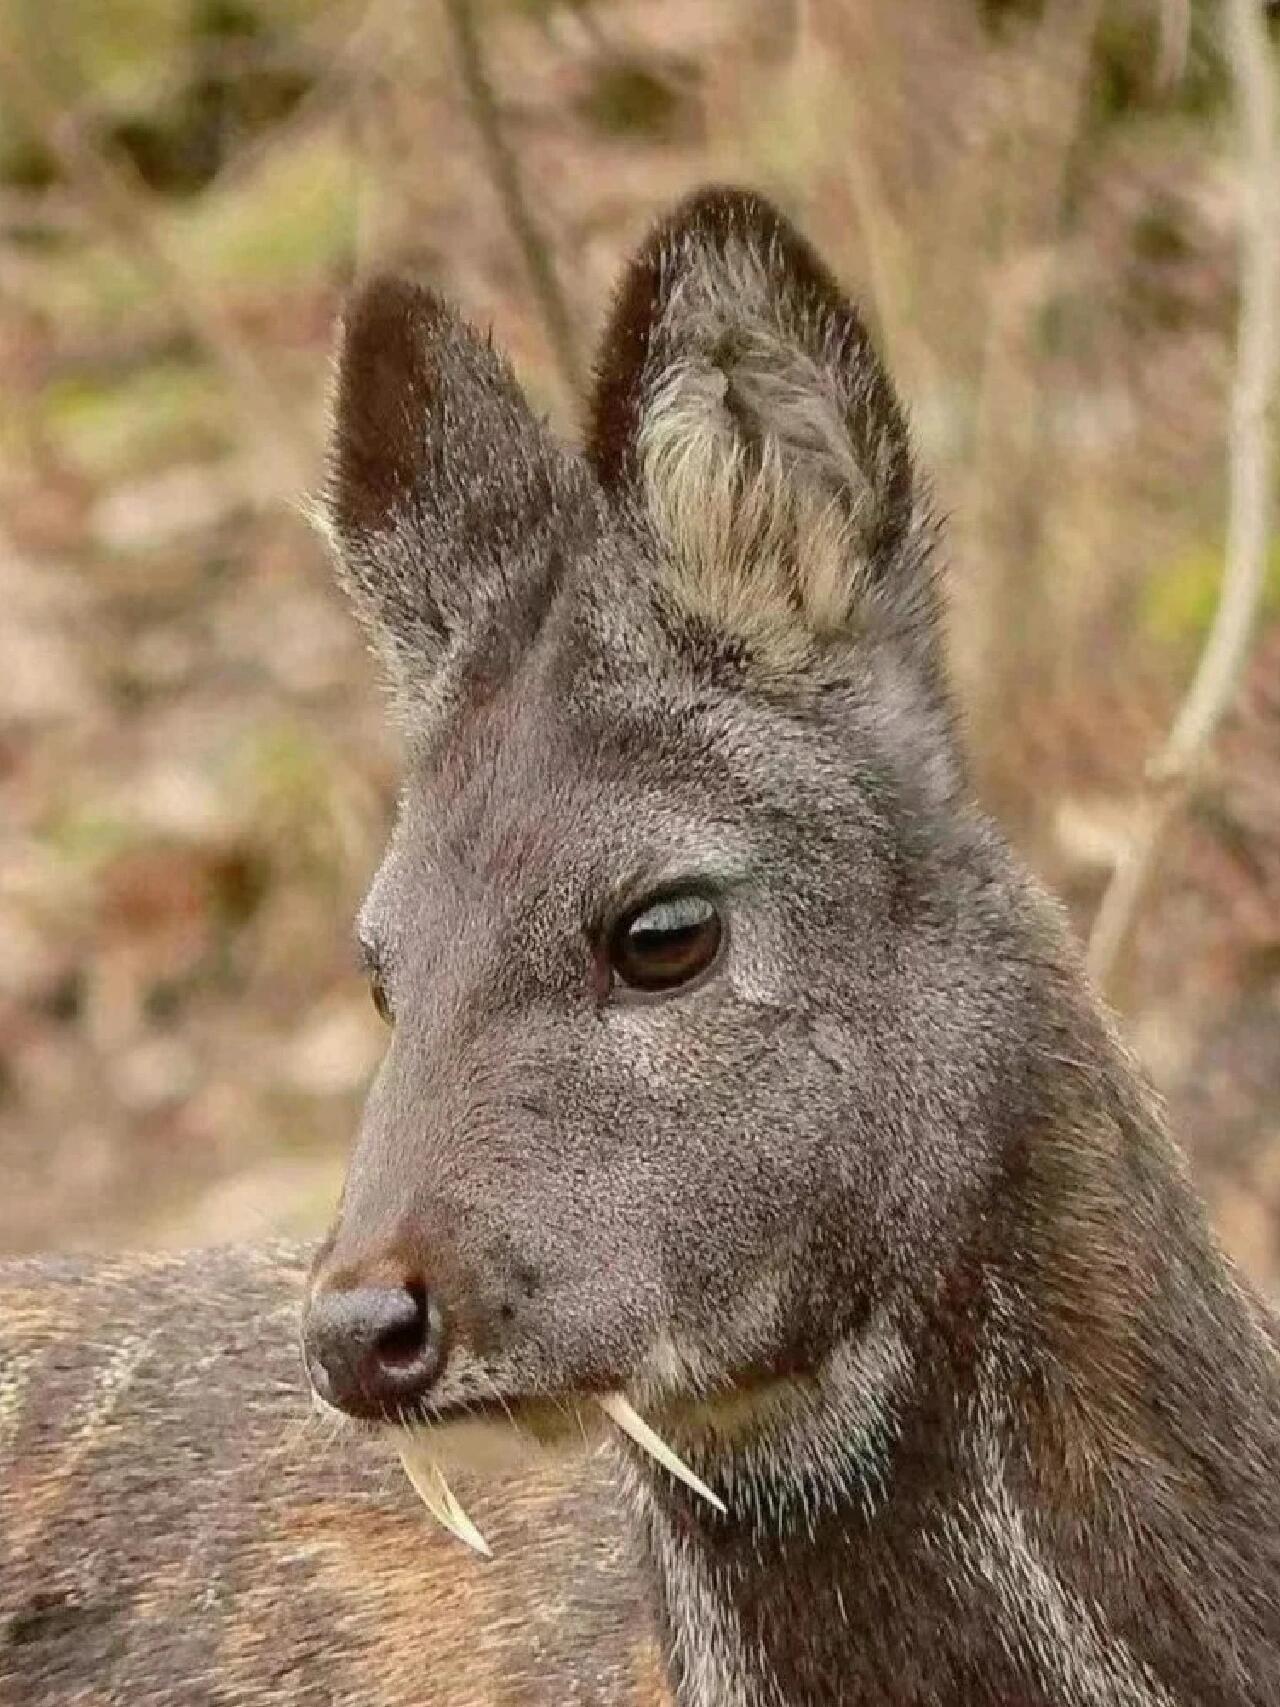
[(499, 1398)]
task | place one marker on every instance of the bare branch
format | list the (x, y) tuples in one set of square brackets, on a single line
[(107, 190), (1173, 773), (1174, 43), (1044, 112), (506, 180)]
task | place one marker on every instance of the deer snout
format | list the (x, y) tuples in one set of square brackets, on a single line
[(374, 1351)]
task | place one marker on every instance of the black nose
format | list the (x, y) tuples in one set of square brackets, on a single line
[(373, 1351)]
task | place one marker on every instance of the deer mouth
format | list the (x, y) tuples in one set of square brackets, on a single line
[(476, 1418), (468, 1433)]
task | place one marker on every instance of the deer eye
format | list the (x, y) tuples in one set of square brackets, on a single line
[(665, 943), (381, 1000)]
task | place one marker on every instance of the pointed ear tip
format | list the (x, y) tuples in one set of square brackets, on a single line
[(698, 231), (389, 309), (388, 328), (726, 206), (713, 214), (708, 220)]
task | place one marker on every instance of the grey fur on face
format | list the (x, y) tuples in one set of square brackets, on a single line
[(707, 673)]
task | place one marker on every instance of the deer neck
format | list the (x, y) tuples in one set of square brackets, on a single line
[(843, 1503), (954, 1508), (749, 1604)]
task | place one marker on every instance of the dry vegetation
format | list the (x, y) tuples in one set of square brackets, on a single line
[(1039, 203)]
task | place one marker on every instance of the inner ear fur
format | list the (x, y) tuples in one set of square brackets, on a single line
[(739, 397)]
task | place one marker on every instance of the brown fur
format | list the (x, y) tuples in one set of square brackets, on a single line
[(175, 1527)]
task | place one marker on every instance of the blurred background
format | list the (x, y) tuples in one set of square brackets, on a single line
[(1036, 201)]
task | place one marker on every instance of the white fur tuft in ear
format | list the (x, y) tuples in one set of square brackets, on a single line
[(749, 476), (740, 400), (747, 461)]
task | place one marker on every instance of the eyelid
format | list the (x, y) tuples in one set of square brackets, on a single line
[(673, 908), (638, 897)]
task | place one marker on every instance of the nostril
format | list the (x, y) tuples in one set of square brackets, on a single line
[(407, 1342), (374, 1351)]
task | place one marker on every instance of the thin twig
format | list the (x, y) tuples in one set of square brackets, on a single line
[(1173, 774), (506, 180), (120, 206), (1045, 108), (1173, 44)]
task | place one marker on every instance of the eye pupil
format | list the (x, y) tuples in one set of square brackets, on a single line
[(380, 999), (666, 943)]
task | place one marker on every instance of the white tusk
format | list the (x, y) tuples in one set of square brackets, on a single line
[(435, 1493), (623, 1412)]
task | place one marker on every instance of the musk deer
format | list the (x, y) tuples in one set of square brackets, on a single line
[(738, 1080)]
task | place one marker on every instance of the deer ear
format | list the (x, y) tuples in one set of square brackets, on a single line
[(443, 489), (739, 397)]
